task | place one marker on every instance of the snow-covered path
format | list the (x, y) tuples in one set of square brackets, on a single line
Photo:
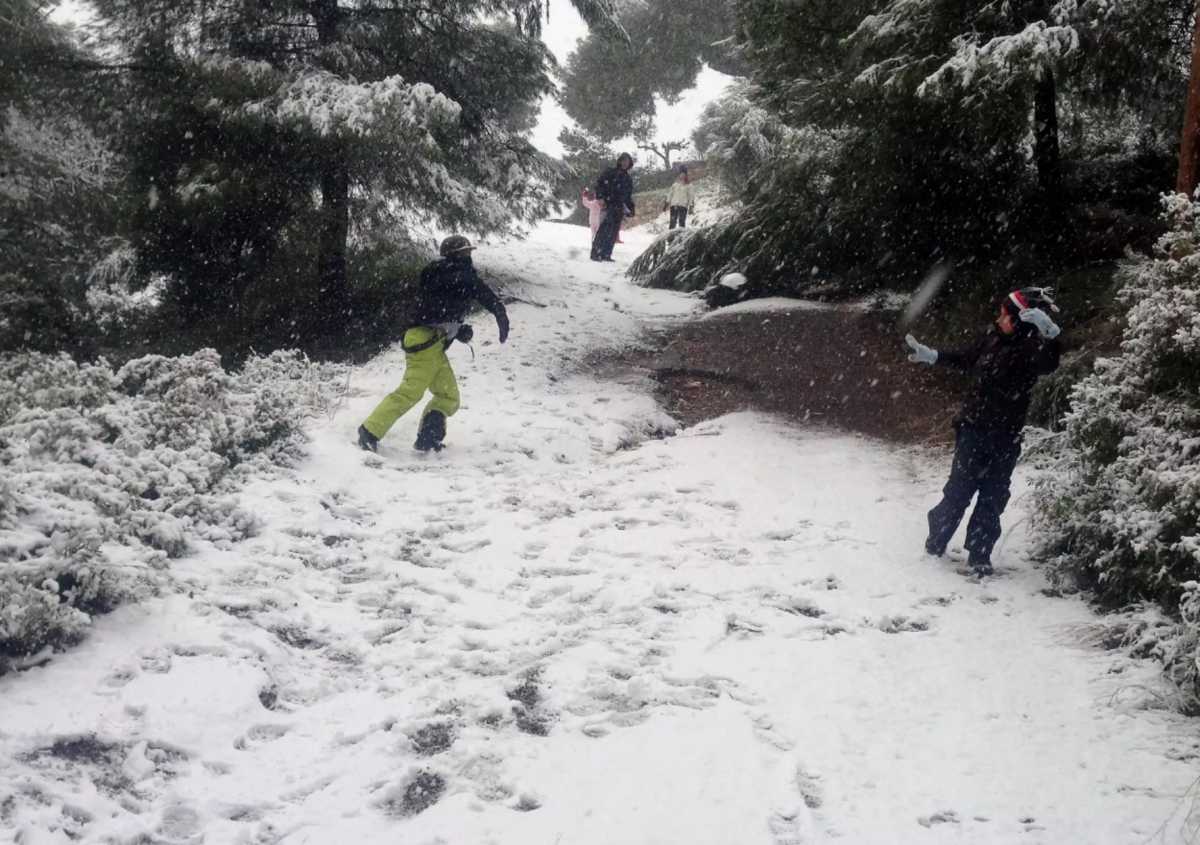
[(567, 629)]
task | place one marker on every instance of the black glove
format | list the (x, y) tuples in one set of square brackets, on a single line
[(465, 333), (502, 324)]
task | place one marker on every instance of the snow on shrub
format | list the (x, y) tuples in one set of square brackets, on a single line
[(108, 475), (1120, 510)]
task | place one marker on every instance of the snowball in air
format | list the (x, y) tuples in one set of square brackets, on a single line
[(732, 280)]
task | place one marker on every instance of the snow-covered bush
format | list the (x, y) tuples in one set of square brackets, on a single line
[(117, 298), (737, 137), (109, 474), (1120, 513), (1182, 658), (781, 231)]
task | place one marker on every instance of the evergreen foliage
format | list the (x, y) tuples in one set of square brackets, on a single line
[(586, 156), (1119, 510), (60, 184), (275, 141), (267, 166), (930, 130), (1122, 513), (610, 82)]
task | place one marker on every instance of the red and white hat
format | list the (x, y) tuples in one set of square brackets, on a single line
[(1026, 298)]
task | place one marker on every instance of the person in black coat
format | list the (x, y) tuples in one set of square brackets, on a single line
[(615, 187), (1004, 366), (448, 287)]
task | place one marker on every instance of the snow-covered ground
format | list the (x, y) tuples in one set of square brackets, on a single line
[(770, 304), (567, 629)]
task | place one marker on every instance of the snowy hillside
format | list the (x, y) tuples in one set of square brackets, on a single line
[(571, 628)]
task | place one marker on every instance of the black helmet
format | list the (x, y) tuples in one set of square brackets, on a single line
[(454, 245), (1025, 298)]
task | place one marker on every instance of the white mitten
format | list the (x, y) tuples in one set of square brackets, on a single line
[(921, 354)]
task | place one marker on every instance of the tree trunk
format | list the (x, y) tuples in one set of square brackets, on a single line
[(1045, 134), (335, 196), (1189, 147), (335, 226), (653, 148)]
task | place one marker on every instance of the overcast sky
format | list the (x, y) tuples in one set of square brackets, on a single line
[(560, 33)]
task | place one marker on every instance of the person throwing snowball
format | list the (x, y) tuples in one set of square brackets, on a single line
[(1004, 365), (447, 289)]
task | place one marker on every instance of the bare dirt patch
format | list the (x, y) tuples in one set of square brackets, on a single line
[(840, 367)]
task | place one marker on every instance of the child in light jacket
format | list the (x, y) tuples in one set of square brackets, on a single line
[(595, 209), (681, 199)]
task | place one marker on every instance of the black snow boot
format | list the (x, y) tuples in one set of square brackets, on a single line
[(431, 433), (367, 440), (979, 564), (932, 548)]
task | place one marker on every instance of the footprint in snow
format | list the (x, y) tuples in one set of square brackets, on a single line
[(156, 660), (179, 822), (528, 707), (943, 817), (119, 677), (415, 794), (297, 636), (466, 546), (432, 738), (268, 697), (810, 787), (260, 735), (337, 505), (901, 624), (532, 551), (800, 606), (765, 730), (792, 826), (781, 535), (828, 583), (527, 802), (741, 628), (939, 601)]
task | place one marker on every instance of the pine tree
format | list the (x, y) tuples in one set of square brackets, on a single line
[(934, 127), (59, 180), (995, 57), (736, 136), (611, 80), (585, 155), (276, 134)]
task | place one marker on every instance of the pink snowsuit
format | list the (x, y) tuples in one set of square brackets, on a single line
[(595, 209)]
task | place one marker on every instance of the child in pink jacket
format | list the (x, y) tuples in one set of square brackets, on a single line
[(595, 209)]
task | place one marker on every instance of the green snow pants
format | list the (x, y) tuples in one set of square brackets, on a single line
[(428, 369)]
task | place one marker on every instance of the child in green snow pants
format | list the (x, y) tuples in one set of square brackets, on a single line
[(429, 369)]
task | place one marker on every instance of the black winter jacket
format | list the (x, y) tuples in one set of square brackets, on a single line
[(1003, 370), (448, 287), (615, 187)]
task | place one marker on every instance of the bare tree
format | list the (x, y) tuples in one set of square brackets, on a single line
[(663, 150)]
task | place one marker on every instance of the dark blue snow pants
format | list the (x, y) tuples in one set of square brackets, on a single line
[(983, 464), (606, 235)]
